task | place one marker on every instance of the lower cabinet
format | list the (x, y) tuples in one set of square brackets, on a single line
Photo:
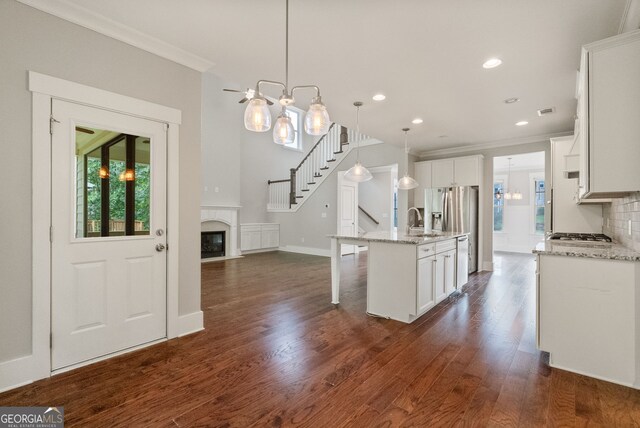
[(449, 280), (258, 236), (426, 279)]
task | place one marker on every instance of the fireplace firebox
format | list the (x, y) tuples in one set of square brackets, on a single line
[(212, 244)]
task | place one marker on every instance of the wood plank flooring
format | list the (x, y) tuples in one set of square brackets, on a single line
[(276, 352)]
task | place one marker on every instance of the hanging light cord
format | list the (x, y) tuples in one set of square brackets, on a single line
[(286, 50), (406, 150), (357, 132)]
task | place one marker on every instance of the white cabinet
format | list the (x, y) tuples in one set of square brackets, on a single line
[(609, 129), (259, 236), (426, 279), (442, 173), (587, 311), (449, 267), (463, 171)]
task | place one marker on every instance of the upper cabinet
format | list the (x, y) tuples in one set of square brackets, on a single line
[(608, 123), (463, 171)]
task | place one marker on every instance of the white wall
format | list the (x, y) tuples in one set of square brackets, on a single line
[(376, 197), (517, 233), (487, 203), (33, 40)]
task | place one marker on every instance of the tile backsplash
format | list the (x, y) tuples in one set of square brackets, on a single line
[(616, 220)]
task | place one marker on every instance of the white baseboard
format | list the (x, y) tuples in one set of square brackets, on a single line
[(261, 250), (487, 266), (606, 379), (17, 372), (306, 250), (190, 323)]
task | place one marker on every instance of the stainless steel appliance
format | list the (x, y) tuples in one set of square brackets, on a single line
[(455, 209), (462, 276)]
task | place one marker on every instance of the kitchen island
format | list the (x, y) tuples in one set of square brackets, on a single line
[(406, 274)]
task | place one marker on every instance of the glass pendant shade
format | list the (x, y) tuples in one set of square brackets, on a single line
[(283, 132), (358, 173), (517, 195), (257, 117), (507, 195), (316, 121), (407, 183)]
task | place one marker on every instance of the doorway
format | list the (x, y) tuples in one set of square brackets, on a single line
[(347, 211), (108, 246), (518, 202)]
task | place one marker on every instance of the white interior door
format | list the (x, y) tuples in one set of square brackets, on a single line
[(348, 212), (108, 233)]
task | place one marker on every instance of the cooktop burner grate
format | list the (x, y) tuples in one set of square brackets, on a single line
[(589, 237)]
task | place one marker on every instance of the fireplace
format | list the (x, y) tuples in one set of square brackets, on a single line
[(212, 244)]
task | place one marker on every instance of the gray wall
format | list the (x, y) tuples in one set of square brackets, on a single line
[(376, 197), (307, 227), (33, 40), (489, 154)]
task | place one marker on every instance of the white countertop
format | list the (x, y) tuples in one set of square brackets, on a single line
[(399, 238), (611, 251)]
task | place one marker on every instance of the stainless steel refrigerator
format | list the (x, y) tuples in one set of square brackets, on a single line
[(455, 209)]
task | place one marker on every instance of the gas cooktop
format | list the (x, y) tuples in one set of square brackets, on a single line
[(589, 237)]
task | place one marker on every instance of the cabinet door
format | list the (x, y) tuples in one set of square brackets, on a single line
[(439, 286), (442, 173), (250, 238), (426, 279), (270, 237), (450, 272), (466, 171), (422, 173)]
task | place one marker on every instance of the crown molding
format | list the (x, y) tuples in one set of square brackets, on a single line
[(101, 24), (492, 145), (631, 17)]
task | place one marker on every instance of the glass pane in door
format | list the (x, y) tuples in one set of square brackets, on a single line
[(113, 182)]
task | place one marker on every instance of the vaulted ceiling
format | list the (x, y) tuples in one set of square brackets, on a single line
[(426, 56)]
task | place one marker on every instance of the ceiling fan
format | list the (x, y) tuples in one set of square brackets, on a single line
[(248, 94)]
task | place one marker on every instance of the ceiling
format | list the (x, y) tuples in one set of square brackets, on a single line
[(426, 56)]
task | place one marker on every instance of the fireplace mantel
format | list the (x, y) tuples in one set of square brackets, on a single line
[(227, 214)]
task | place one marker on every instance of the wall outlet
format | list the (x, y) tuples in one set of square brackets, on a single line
[(608, 224), (206, 189), (323, 215), (629, 231), (216, 189), (302, 240)]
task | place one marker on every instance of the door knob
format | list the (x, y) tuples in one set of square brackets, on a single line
[(160, 248)]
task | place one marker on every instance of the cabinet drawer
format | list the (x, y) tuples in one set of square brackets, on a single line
[(426, 250), (445, 245)]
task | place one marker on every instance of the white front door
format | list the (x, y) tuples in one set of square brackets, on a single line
[(348, 212), (108, 276)]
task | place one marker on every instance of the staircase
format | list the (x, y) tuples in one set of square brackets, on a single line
[(288, 195)]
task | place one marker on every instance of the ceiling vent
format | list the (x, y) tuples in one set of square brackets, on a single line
[(546, 111)]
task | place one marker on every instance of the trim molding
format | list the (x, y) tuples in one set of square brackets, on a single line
[(101, 24), (306, 250), (492, 145), (17, 372), (487, 267), (190, 323), (631, 18)]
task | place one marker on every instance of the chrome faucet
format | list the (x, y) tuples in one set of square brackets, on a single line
[(408, 212)]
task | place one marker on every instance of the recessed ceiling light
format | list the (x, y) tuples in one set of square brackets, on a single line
[(417, 121), (511, 100), (492, 63), (379, 97), (522, 123)]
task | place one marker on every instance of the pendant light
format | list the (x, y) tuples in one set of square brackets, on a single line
[(257, 117), (358, 172), (283, 131), (406, 182), (508, 195)]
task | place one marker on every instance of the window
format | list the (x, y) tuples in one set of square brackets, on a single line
[(498, 205), (538, 205), (294, 115)]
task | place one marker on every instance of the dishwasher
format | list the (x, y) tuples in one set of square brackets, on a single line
[(462, 274)]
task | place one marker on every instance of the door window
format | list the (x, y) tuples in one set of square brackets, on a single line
[(113, 182)]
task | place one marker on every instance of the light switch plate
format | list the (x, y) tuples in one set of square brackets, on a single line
[(324, 215)]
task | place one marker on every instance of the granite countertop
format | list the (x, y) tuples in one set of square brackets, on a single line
[(611, 251), (400, 238)]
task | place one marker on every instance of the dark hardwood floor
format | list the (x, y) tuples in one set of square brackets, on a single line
[(275, 352)]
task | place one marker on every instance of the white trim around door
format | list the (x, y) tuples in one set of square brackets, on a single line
[(44, 88)]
